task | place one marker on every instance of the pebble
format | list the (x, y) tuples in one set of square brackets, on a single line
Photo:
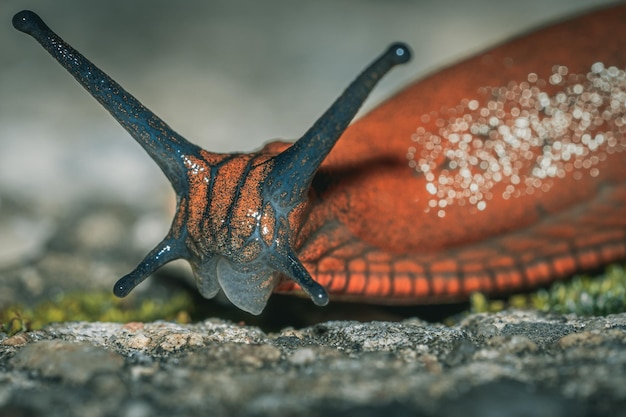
[(72, 362)]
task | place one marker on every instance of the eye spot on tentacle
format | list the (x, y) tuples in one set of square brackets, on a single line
[(521, 138)]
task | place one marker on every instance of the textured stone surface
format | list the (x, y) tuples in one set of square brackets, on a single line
[(509, 364)]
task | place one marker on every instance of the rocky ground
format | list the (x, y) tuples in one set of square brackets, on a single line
[(507, 364)]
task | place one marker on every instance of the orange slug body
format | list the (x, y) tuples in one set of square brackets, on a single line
[(500, 173), (381, 230)]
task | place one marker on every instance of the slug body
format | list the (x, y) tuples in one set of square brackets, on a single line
[(502, 172)]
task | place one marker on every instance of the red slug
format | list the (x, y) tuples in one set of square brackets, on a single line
[(500, 173)]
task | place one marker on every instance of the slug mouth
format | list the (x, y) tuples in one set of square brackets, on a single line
[(248, 286)]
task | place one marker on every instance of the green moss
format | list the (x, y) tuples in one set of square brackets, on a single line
[(95, 306), (583, 295)]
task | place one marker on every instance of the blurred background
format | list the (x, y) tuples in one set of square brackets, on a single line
[(227, 75)]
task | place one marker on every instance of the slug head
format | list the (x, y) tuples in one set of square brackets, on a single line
[(237, 215)]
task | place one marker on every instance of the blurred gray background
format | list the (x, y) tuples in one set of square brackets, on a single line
[(227, 75)]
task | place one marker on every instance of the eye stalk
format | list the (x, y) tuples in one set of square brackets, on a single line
[(288, 183), (245, 261)]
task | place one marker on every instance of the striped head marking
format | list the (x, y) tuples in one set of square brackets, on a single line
[(238, 215)]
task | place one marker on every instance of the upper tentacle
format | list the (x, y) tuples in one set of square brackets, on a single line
[(166, 147), (295, 167)]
